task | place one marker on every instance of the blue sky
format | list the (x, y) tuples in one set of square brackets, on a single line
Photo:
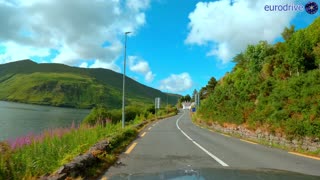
[(176, 46)]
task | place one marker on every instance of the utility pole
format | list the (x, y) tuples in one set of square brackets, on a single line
[(124, 78)]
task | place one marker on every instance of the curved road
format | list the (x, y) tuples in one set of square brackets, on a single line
[(176, 143)]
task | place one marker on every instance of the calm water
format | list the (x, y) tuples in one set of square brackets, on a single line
[(18, 119)]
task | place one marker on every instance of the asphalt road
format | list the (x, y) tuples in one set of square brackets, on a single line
[(176, 143)]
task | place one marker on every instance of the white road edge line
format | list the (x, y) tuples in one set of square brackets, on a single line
[(202, 148)]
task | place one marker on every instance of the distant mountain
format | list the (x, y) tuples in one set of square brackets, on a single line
[(62, 85)]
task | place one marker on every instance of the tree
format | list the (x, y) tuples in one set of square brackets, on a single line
[(195, 92), (299, 52), (240, 60), (256, 54), (211, 85), (203, 92), (208, 89), (187, 98), (98, 115), (288, 32), (316, 52)]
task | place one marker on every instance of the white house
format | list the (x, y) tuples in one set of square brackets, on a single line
[(186, 105)]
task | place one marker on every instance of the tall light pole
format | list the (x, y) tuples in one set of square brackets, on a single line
[(124, 78)]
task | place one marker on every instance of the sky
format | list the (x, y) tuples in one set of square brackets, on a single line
[(175, 45)]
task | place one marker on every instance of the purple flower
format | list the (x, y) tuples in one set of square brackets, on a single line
[(47, 134)]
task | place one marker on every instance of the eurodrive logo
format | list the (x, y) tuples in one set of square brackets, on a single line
[(310, 7)]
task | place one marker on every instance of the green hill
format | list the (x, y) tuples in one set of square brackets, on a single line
[(272, 86), (62, 85)]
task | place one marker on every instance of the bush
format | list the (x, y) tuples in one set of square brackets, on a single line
[(115, 115), (98, 115), (131, 112), (150, 109)]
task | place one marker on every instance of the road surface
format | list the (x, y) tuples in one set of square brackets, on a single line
[(176, 143)]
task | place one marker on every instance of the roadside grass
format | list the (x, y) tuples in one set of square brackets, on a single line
[(45, 156), (33, 156), (316, 153)]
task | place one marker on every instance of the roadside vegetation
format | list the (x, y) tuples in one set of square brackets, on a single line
[(276, 87), (35, 155)]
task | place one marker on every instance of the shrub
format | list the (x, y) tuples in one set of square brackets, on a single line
[(98, 115)]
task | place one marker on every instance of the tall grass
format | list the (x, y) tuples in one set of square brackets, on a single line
[(33, 156)]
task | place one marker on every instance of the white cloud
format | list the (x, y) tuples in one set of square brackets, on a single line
[(102, 64), (84, 65), (77, 29), (177, 82), (228, 29), (138, 5), (137, 65), (149, 77), (14, 52), (141, 66)]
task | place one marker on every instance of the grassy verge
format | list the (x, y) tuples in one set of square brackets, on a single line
[(260, 141), (45, 154)]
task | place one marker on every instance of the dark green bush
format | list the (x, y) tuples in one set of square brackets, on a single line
[(98, 114)]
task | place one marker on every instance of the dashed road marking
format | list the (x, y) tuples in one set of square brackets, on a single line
[(128, 151), (225, 135), (248, 141), (143, 134)]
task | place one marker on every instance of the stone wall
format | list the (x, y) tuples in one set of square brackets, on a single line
[(307, 144)]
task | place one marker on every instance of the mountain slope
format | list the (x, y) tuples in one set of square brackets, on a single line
[(62, 85)]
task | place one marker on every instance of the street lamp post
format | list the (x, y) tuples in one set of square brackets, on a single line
[(124, 78)]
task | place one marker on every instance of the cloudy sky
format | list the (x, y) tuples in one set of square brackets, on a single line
[(175, 45)]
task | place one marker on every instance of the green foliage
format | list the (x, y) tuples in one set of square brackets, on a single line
[(150, 109), (186, 98), (98, 115), (46, 156), (208, 89), (131, 112), (288, 32), (171, 109), (194, 95), (272, 85), (316, 53), (101, 115)]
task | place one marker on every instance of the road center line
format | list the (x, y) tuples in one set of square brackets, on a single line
[(143, 134), (128, 151), (248, 141), (149, 128), (199, 146), (226, 135)]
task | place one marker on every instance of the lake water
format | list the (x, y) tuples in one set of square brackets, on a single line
[(17, 119)]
